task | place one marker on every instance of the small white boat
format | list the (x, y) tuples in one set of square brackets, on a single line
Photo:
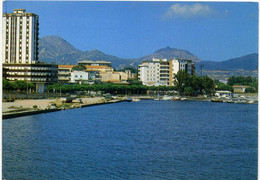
[(251, 101), (136, 100), (167, 98)]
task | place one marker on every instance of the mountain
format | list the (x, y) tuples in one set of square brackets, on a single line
[(57, 50), (247, 62), (170, 53)]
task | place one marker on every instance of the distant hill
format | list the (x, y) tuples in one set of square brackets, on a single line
[(247, 62), (57, 50), (170, 53)]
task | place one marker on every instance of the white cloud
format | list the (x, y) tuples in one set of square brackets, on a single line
[(188, 11)]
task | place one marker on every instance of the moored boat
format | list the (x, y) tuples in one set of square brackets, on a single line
[(136, 100), (216, 100), (176, 98), (166, 97)]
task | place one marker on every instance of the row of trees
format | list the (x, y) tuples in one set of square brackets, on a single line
[(241, 80), (108, 88), (184, 84), (18, 85)]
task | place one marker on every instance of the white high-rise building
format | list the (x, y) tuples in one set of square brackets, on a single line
[(162, 72), (20, 37), (20, 31)]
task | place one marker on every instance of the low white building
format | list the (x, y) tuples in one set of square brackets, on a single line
[(79, 76), (224, 94)]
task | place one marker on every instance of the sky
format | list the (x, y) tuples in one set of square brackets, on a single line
[(214, 31)]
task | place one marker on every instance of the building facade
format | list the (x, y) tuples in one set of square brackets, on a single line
[(65, 72), (41, 74), (116, 76), (79, 76), (240, 88), (100, 73), (20, 35), (162, 72)]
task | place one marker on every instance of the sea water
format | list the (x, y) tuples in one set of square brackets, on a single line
[(134, 140)]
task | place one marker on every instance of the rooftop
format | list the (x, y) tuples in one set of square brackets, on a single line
[(87, 66), (19, 12), (91, 61)]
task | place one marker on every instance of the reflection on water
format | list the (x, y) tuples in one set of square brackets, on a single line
[(137, 140)]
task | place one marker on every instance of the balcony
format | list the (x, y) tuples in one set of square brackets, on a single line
[(164, 72), (64, 78), (64, 72)]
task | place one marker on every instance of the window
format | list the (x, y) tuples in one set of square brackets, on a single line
[(76, 76)]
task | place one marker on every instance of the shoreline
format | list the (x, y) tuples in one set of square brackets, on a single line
[(31, 111), (28, 107)]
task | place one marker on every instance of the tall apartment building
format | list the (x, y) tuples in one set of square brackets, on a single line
[(20, 37), (162, 72), (20, 50)]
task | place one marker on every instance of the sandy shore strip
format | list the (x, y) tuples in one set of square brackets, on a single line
[(27, 107), (42, 103)]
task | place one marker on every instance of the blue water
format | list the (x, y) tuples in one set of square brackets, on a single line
[(137, 140)]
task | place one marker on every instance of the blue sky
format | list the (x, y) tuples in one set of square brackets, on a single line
[(212, 31)]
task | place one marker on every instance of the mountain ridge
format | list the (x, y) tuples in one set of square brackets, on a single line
[(247, 62), (56, 49), (171, 53)]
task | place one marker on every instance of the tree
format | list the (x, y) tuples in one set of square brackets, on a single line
[(241, 80), (208, 84), (7, 85), (196, 83), (225, 87), (181, 81), (135, 82), (20, 85), (250, 90), (189, 91), (79, 68)]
